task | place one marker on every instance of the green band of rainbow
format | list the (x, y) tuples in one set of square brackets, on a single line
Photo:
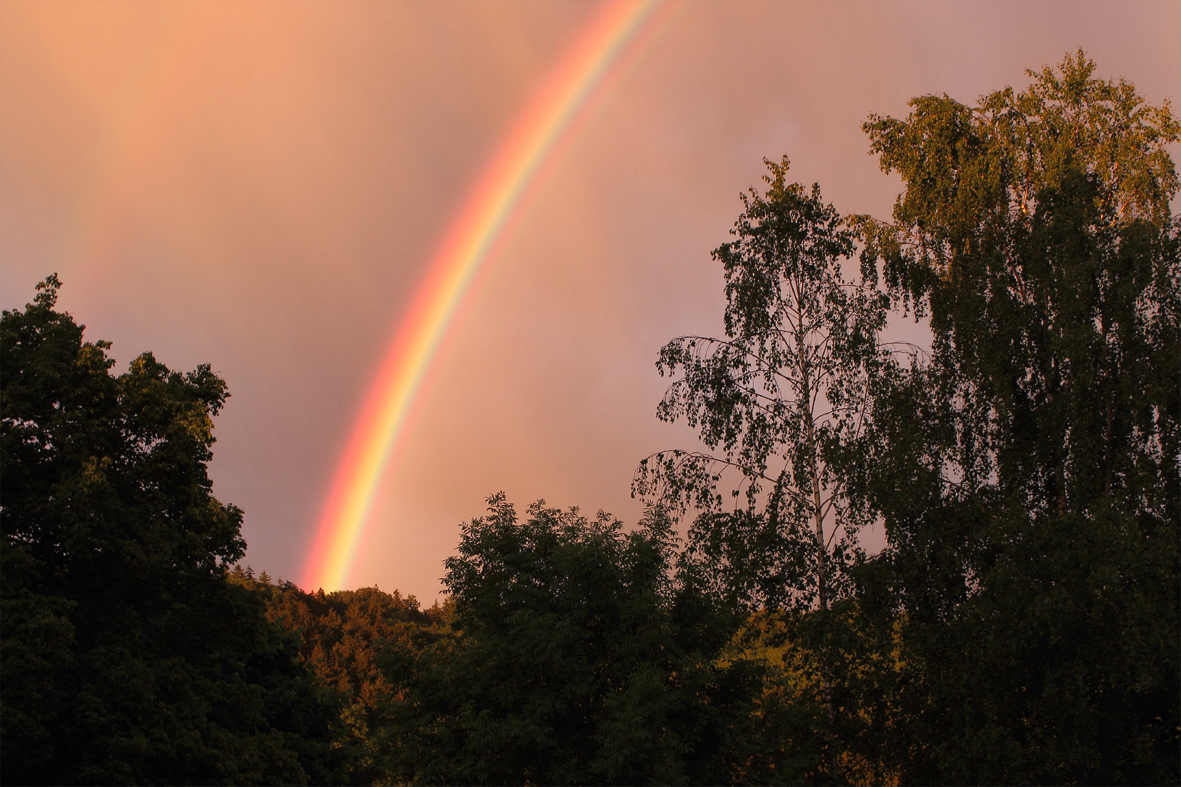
[(449, 276)]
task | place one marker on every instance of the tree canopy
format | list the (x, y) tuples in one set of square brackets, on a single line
[(127, 657), (1027, 469), (780, 401), (582, 657)]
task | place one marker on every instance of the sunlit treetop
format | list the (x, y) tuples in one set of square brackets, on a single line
[(973, 171)]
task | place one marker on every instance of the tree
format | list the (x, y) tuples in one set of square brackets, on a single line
[(781, 402), (1028, 469), (127, 656), (579, 658)]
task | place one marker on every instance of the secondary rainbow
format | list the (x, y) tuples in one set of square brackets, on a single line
[(449, 277)]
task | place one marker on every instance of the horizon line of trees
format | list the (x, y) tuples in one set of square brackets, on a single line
[(1022, 624)]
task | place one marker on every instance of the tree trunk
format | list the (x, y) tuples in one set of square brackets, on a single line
[(822, 599)]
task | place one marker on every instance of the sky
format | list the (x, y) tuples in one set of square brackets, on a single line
[(264, 187)]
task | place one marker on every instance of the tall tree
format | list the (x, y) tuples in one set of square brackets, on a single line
[(780, 402), (1028, 469), (127, 656)]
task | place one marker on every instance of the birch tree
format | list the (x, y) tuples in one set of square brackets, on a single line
[(779, 404)]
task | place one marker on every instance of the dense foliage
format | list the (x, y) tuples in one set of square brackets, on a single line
[(362, 644), (568, 651), (1022, 625), (127, 657), (1028, 468), (1024, 615), (584, 657)]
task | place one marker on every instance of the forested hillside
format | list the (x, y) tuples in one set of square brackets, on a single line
[(1020, 626)]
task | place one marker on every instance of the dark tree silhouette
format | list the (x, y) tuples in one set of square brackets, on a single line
[(579, 658), (781, 403), (1028, 470), (127, 656)]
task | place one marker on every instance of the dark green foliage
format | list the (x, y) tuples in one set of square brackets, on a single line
[(1028, 469), (779, 402), (1022, 626), (579, 658), (127, 657)]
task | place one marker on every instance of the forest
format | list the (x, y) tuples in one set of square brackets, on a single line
[(1020, 626)]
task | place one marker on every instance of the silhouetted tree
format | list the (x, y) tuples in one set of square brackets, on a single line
[(127, 657), (579, 658), (1028, 469), (781, 403)]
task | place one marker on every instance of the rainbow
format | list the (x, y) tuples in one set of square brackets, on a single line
[(457, 261)]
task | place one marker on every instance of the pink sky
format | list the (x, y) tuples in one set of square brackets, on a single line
[(260, 186)]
